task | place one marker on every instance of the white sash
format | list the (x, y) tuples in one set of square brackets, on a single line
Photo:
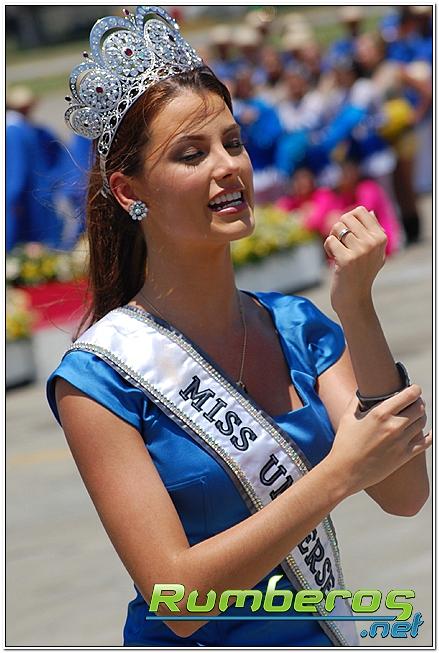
[(260, 459)]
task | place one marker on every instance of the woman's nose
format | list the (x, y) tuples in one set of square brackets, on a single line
[(226, 165)]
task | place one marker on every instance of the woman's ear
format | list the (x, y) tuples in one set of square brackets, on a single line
[(122, 188)]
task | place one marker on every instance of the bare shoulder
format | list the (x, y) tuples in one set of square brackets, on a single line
[(124, 485)]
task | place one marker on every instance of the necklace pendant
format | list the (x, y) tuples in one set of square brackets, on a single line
[(242, 385)]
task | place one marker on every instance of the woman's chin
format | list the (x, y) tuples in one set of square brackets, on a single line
[(241, 227)]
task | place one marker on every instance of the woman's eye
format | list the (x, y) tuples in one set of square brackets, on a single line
[(191, 156), (235, 144)]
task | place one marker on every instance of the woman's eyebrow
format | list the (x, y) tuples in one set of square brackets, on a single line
[(201, 137)]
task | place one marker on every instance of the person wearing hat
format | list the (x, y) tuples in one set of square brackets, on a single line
[(222, 60), (293, 42), (33, 159), (262, 20), (248, 41), (351, 19), (261, 131), (301, 114)]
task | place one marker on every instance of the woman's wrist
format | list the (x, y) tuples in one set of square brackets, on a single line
[(335, 482), (359, 309)]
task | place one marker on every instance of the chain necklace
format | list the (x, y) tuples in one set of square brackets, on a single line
[(239, 382)]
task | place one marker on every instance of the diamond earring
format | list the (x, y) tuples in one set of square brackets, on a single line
[(138, 210)]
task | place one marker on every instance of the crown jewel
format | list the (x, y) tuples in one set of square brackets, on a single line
[(128, 55)]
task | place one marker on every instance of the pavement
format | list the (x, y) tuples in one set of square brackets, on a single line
[(65, 585)]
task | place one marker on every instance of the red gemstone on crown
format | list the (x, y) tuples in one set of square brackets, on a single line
[(128, 52), (99, 89)]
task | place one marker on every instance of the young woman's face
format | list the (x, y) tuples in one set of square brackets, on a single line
[(197, 179)]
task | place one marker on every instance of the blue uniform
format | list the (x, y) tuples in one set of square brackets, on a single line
[(32, 157), (261, 136), (206, 499)]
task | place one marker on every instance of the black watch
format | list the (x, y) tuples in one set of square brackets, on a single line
[(366, 403)]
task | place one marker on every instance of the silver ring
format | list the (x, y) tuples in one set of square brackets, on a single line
[(343, 233)]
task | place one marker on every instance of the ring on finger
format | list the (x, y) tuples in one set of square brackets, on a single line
[(344, 232)]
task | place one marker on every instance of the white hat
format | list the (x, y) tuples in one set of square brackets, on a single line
[(294, 40), (351, 14), (246, 36), (221, 34), (20, 97), (260, 17)]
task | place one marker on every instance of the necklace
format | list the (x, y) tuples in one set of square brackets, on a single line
[(239, 382)]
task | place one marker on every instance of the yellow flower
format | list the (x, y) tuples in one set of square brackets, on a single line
[(48, 267), (29, 271)]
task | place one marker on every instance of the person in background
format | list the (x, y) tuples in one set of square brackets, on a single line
[(412, 40), (272, 87), (34, 156), (248, 42), (351, 19), (262, 20), (293, 43), (355, 190), (405, 90), (261, 130), (221, 58), (353, 116), (305, 197), (295, 30), (300, 113), (320, 208)]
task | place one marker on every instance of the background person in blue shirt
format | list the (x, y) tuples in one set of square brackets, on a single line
[(34, 158)]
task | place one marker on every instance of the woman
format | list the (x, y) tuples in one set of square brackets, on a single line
[(195, 505)]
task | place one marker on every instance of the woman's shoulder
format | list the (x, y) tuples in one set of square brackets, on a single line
[(87, 370)]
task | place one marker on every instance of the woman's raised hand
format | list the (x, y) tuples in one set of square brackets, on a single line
[(368, 447), (358, 258)]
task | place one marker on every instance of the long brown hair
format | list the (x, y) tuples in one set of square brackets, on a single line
[(117, 249)]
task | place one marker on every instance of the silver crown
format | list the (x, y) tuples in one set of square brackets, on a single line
[(128, 55)]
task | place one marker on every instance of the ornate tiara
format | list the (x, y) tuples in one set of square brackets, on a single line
[(128, 55)]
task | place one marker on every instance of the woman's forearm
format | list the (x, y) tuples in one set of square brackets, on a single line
[(245, 553), (241, 556), (405, 491), (372, 360)]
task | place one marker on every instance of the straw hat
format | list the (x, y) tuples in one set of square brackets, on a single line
[(351, 14), (221, 35), (294, 40), (20, 97), (260, 17), (246, 36)]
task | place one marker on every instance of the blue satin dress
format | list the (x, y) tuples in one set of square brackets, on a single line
[(206, 499)]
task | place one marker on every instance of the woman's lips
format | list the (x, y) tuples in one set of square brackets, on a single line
[(231, 209)]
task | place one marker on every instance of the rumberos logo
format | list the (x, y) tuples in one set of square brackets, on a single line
[(365, 604)]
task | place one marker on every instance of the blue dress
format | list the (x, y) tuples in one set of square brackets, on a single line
[(206, 499)]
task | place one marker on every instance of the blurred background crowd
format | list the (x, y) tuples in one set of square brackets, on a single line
[(326, 127)]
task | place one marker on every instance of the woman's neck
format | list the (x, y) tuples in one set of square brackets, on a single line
[(194, 293)]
